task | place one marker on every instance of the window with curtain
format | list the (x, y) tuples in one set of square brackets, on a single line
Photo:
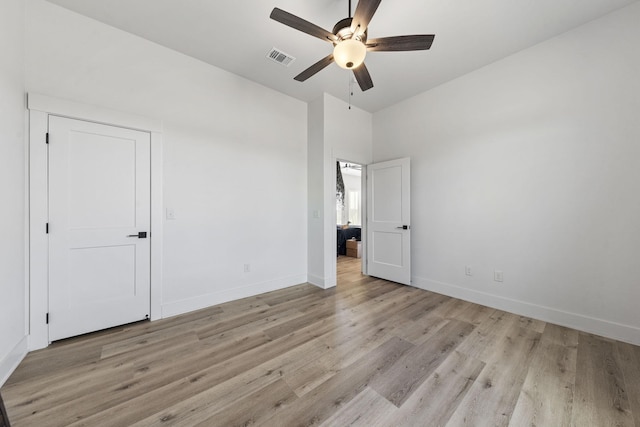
[(353, 205), (340, 213)]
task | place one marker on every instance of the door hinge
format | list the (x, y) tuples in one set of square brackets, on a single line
[(47, 318), (47, 138), (47, 228)]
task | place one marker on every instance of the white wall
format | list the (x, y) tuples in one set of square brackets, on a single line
[(532, 166), (12, 182), (316, 192), (348, 132), (234, 153), (335, 133)]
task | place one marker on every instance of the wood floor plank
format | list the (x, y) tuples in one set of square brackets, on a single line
[(560, 335), (46, 397), (600, 396), (469, 312), (413, 367), (361, 332), (365, 330), (534, 324), (419, 331), (119, 333), (291, 294), (493, 396), (438, 397), (221, 384), (197, 407), (332, 305), (446, 309), (198, 370), (629, 362), (546, 397), (254, 408), (142, 344), (321, 403), (367, 409), (367, 352), (40, 363), (27, 401), (232, 345), (309, 377), (423, 303), (489, 335), (359, 339), (86, 349), (229, 323)]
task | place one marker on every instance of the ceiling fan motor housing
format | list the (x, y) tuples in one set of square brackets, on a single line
[(343, 31)]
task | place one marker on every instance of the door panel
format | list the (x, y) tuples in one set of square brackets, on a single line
[(99, 195), (387, 194), (389, 211), (387, 248), (95, 265)]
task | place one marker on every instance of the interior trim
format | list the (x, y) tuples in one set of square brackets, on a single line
[(40, 107)]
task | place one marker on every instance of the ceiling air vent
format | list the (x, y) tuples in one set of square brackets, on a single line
[(280, 57)]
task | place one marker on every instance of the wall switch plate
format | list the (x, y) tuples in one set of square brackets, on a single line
[(171, 213), (467, 270), (498, 276), (247, 268)]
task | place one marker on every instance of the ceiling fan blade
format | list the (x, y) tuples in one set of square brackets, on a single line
[(318, 66), (300, 24), (401, 43), (363, 77), (363, 14)]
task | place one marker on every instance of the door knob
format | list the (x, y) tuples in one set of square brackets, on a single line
[(404, 227), (140, 235)]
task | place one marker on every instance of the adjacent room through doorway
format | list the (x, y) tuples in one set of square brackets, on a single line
[(349, 216)]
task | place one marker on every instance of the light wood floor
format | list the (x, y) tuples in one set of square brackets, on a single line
[(368, 352)]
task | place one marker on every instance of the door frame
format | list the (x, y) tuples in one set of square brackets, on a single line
[(40, 108)]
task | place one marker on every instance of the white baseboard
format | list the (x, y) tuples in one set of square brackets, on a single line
[(11, 361), (577, 321), (203, 301), (321, 282)]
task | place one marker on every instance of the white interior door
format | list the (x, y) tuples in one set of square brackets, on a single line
[(99, 200), (389, 221)]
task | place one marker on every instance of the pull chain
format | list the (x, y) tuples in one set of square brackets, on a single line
[(350, 81)]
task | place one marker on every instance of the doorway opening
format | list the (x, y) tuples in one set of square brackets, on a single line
[(349, 221)]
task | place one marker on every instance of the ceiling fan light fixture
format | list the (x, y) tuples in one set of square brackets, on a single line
[(349, 53)]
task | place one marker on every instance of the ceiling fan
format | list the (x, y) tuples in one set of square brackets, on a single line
[(349, 38)]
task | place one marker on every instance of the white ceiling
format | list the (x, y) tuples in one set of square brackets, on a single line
[(237, 35), (350, 169)]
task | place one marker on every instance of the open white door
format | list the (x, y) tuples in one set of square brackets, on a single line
[(389, 220), (99, 212)]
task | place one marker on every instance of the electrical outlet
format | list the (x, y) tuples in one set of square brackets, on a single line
[(498, 276), (247, 268), (467, 270)]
